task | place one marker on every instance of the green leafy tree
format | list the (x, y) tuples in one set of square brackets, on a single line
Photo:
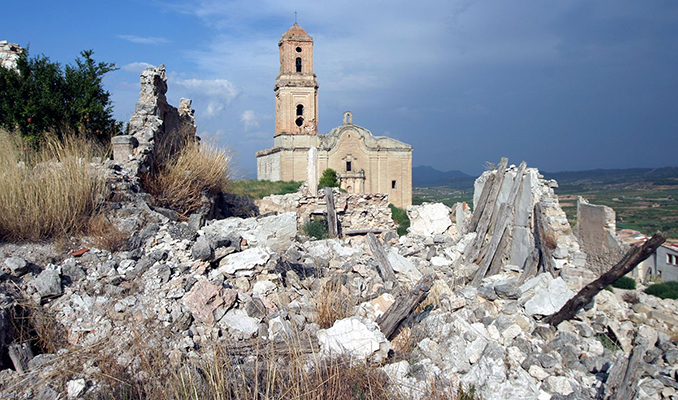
[(328, 179), (41, 96)]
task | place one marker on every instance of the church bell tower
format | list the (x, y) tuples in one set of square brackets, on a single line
[(296, 87)]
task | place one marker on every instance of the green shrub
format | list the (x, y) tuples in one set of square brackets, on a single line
[(316, 228), (400, 218), (666, 290), (624, 283), (328, 179), (40, 96)]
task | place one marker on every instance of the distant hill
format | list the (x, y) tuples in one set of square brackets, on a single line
[(425, 176), (612, 176)]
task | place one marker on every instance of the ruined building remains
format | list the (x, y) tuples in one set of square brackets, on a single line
[(156, 129), (9, 54), (364, 163)]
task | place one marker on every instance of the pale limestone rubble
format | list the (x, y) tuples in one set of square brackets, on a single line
[(239, 281)]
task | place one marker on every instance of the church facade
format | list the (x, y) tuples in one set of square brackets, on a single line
[(364, 163)]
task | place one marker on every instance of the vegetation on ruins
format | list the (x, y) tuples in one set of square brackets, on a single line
[(255, 189), (181, 181), (316, 228), (42, 96), (400, 218), (50, 192), (328, 179)]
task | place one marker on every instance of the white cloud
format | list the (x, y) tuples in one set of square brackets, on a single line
[(249, 120), (144, 40), (213, 108), (137, 67), (211, 96), (215, 88)]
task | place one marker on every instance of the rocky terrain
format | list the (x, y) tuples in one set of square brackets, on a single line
[(182, 287)]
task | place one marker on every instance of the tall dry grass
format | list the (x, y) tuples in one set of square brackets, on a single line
[(180, 182), (51, 192), (333, 303)]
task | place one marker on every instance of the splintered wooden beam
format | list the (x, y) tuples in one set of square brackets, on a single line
[(332, 225), (544, 241), (504, 218), (381, 258), (480, 207), (631, 259), (622, 382), (486, 217), (404, 306)]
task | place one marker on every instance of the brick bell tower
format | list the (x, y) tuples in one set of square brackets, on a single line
[(296, 87)]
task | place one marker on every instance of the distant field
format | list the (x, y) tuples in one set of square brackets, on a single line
[(644, 206)]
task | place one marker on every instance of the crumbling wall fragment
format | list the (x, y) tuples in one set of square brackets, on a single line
[(596, 231), (9, 54), (355, 211), (157, 130)]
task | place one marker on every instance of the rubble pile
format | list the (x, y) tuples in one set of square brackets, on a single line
[(182, 287), (355, 211)]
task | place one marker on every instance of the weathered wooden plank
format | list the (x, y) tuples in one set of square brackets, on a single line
[(544, 240), (624, 383), (504, 218), (386, 270), (530, 266), (631, 259), (404, 306), (486, 217), (502, 250), (20, 354), (480, 207), (354, 232), (297, 344), (332, 226)]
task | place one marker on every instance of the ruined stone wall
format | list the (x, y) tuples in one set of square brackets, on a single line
[(9, 54), (157, 130), (354, 211), (596, 231)]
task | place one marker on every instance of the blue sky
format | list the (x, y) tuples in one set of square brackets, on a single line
[(563, 85)]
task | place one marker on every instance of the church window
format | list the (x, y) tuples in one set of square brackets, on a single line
[(298, 49), (298, 64), (299, 121), (348, 166), (393, 184), (300, 110)]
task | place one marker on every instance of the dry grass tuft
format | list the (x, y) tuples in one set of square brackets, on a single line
[(333, 303), (179, 184), (36, 325), (105, 234), (48, 193)]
